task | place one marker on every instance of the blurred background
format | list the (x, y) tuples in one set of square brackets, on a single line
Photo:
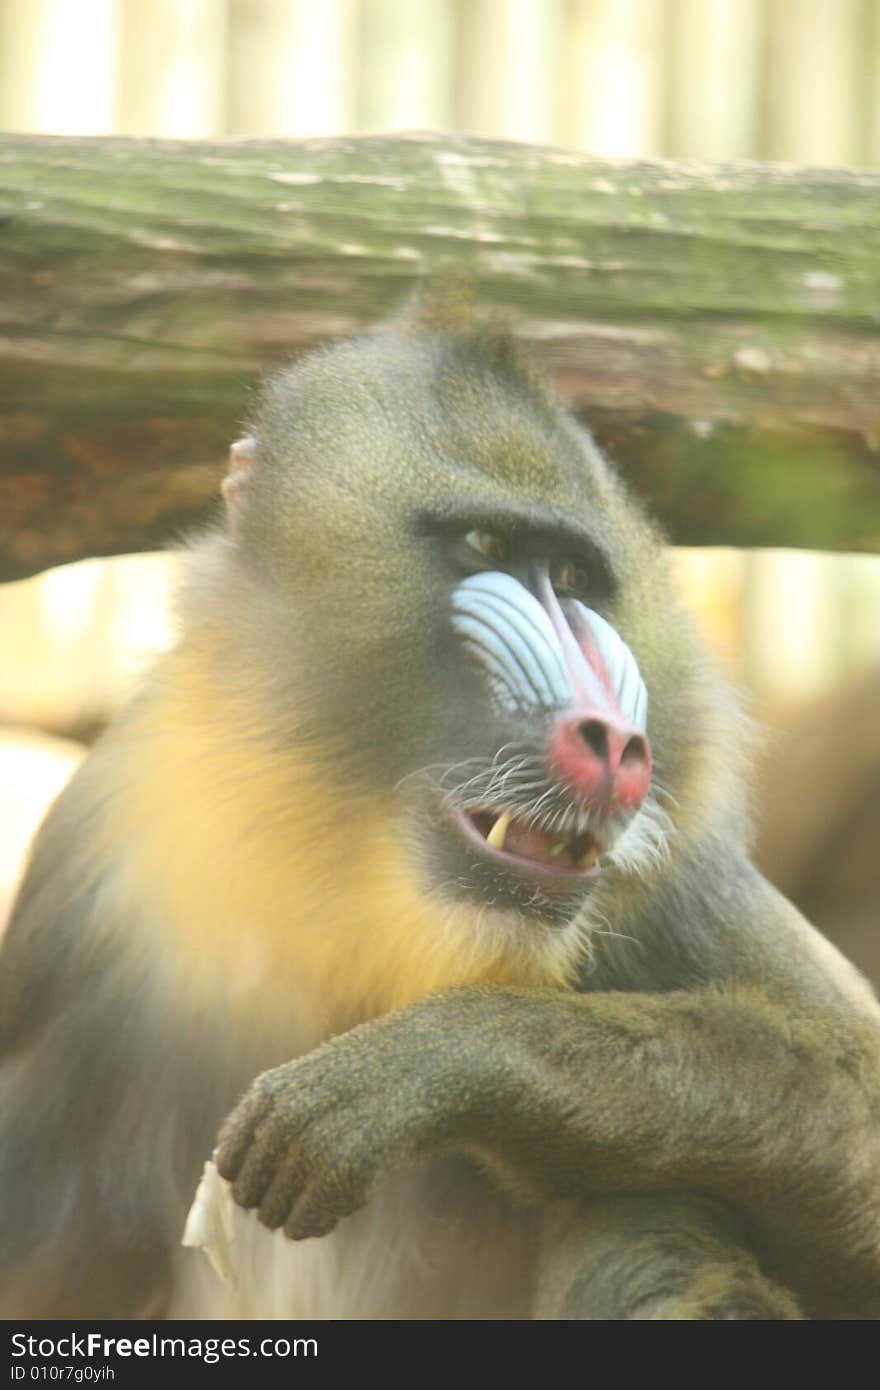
[(792, 80)]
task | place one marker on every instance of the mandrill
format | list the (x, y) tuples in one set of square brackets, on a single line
[(418, 871)]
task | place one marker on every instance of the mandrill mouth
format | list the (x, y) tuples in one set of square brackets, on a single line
[(555, 858)]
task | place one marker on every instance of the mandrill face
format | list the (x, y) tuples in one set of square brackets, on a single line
[(483, 676), (558, 795)]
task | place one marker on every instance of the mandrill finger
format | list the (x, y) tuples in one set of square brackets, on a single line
[(237, 1134), (282, 1194), (263, 1161), (316, 1214)]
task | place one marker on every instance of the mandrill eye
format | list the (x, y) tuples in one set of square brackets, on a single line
[(488, 546), (570, 580)]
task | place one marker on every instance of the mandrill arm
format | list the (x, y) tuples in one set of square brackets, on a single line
[(739, 1093)]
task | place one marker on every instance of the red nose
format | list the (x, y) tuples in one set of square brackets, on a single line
[(605, 761)]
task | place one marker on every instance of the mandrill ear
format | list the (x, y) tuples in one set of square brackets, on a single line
[(242, 456)]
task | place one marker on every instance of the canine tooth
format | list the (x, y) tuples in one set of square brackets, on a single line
[(587, 860), (498, 834), (557, 849)]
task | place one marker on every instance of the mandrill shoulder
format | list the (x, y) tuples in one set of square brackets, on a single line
[(709, 918)]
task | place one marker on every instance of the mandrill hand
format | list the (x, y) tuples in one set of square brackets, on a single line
[(311, 1138)]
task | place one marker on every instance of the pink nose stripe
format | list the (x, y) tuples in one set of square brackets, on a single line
[(587, 672)]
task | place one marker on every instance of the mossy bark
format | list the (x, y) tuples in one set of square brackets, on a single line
[(717, 326)]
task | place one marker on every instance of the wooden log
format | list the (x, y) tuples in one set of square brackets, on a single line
[(717, 326)]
